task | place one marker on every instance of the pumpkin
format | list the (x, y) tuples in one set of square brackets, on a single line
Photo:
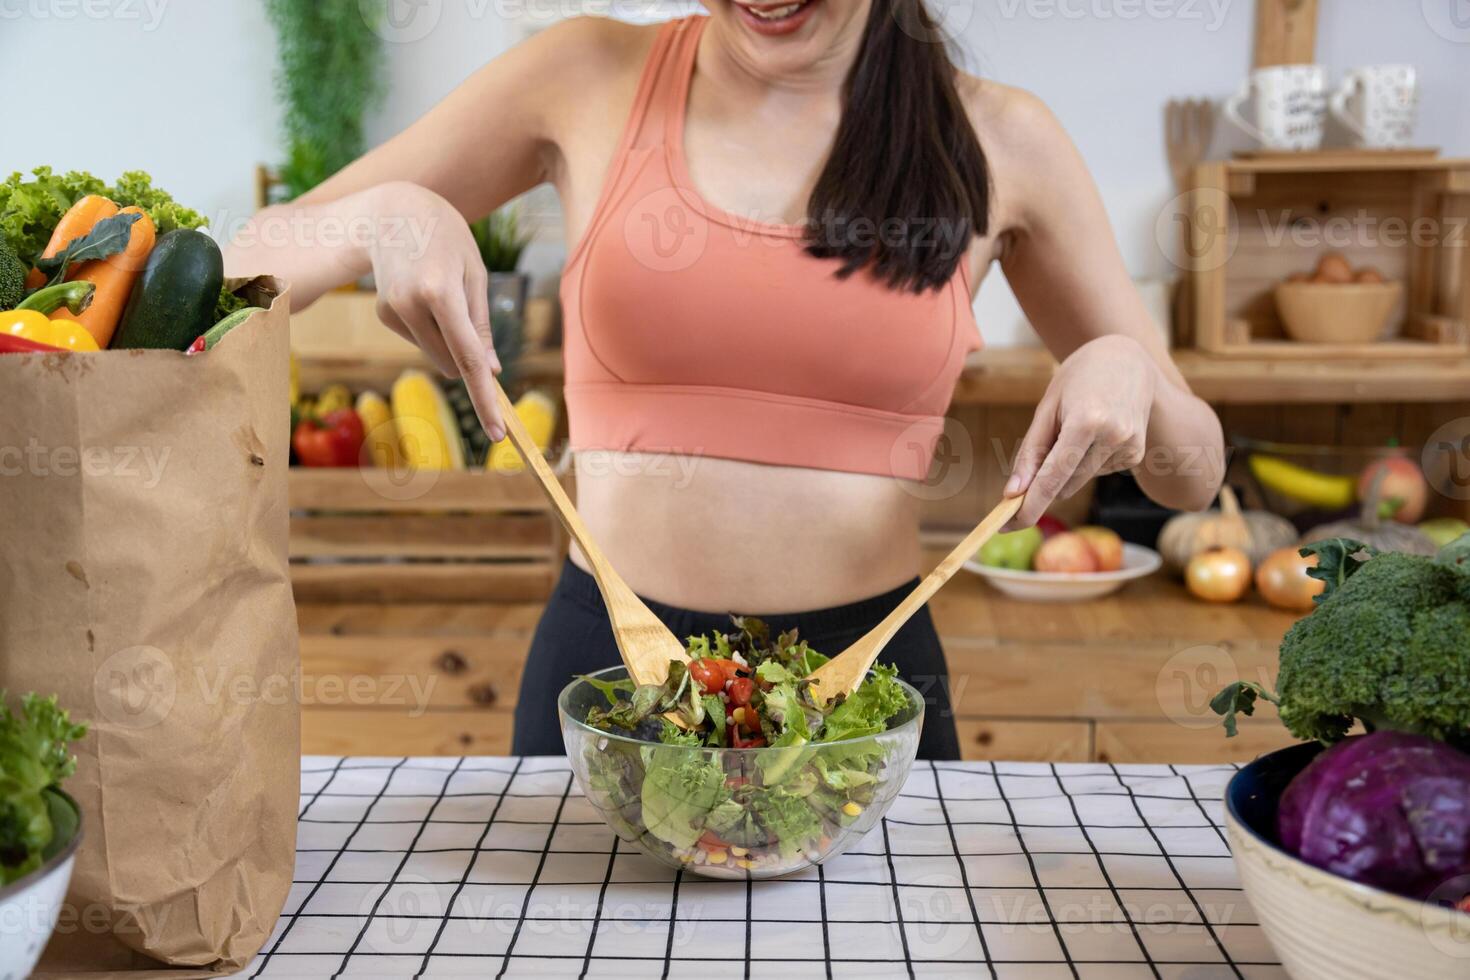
[(1372, 530), (1256, 532)]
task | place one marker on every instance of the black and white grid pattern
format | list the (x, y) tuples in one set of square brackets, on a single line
[(494, 867)]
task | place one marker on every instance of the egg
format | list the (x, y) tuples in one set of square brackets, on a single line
[(1368, 274), (1333, 268)]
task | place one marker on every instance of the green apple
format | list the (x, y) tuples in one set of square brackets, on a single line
[(1013, 550), (1443, 530)]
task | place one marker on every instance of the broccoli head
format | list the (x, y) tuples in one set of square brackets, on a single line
[(1388, 645), (12, 278)]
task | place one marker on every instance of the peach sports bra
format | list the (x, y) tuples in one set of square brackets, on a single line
[(692, 330)]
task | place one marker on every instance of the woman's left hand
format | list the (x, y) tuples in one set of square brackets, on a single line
[(1092, 420)]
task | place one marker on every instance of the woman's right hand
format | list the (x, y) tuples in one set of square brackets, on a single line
[(433, 289)]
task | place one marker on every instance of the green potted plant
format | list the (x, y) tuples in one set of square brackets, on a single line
[(502, 241)]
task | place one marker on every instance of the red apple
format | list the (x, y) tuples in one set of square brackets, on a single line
[(1050, 525), (1106, 545), (1403, 494), (1067, 551)]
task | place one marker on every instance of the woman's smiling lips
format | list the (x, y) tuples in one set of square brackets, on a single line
[(776, 19)]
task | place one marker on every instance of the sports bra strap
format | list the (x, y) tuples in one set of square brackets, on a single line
[(659, 104)]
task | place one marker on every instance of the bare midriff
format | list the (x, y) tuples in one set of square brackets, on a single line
[(727, 536)]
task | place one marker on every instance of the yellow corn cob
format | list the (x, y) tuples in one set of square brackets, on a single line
[(381, 435), (537, 413), (333, 397), (428, 436)]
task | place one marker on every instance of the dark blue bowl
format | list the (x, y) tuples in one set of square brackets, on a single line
[(1255, 791)]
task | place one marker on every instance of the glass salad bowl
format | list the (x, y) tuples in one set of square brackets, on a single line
[(737, 813)]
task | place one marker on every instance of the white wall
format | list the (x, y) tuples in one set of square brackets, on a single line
[(183, 88)]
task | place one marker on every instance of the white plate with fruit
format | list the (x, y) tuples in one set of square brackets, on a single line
[(1064, 566)]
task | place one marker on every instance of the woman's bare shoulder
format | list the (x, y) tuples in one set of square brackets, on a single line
[(592, 48), (1028, 150)]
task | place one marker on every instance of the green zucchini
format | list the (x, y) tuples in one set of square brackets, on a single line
[(173, 301)]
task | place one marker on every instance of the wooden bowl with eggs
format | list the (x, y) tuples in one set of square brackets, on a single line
[(1337, 304)]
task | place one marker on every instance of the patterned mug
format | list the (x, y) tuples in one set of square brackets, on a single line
[(1288, 106), (1379, 104)]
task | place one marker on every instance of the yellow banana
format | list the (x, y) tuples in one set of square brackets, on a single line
[(1305, 486)]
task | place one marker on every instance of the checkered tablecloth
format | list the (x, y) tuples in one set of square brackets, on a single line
[(498, 867)]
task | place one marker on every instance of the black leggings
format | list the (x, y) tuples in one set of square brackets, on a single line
[(574, 637)]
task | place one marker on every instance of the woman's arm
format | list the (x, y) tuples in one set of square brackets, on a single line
[(400, 211), (1117, 401)]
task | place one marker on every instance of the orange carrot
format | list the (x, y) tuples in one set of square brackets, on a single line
[(114, 277), (76, 222)]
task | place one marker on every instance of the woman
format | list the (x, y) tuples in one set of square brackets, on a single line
[(781, 213)]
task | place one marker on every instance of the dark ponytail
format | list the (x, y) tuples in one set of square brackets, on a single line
[(907, 186)]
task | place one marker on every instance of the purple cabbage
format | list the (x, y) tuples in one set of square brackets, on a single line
[(1390, 809)]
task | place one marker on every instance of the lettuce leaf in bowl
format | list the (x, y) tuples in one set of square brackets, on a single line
[(34, 758)]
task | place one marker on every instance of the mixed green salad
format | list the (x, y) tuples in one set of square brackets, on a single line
[(35, 818), (760, 812)]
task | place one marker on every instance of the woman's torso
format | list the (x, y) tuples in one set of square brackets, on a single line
[(699, 531)]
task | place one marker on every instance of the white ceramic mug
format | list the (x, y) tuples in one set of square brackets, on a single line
[(1379, 104), (1288, 106)]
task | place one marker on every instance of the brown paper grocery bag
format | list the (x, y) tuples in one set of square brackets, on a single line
[(145, 581)]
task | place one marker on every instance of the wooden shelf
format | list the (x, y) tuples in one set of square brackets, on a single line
[(1020, 375), (1344, 161)]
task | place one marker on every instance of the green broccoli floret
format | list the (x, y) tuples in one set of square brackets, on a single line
[(1388, 645), (12, 278)]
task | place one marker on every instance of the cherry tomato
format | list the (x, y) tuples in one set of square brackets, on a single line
[(710, 842), (727, 666), (741, 689), (708, 675)]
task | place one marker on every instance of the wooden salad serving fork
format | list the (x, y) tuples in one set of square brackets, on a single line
[(843, 673)]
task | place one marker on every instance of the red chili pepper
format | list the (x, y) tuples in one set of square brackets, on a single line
[(333, 440), (11, 344), (197, 347)]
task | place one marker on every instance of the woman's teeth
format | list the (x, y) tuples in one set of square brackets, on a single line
[(777, 13)]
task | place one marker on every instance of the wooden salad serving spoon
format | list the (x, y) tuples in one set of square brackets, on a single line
[(843, 673), (646, 644)]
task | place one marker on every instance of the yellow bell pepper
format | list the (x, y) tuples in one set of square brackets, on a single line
[(30, 321), (30, 325)]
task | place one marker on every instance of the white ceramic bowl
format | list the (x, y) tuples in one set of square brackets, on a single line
[(1138, 561), (1322, 926), (29, 906)]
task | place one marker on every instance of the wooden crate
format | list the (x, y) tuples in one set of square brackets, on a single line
[(362, 536), (1251, 222)]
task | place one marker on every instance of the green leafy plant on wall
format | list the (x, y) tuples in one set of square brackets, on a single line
[(330, 56)]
